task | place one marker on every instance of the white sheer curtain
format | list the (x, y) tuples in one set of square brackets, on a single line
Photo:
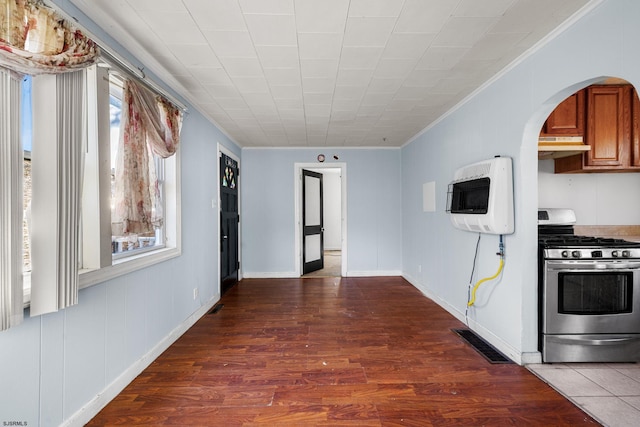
[(57, 192), (11, 158)]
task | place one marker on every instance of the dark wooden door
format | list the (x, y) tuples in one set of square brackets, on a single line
[(312, 222), (229, 219)]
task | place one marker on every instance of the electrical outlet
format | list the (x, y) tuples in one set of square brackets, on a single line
[(195, 293)]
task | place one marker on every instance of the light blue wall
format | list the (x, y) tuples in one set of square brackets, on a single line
[(268, 209), (505, 119), (53, 365)]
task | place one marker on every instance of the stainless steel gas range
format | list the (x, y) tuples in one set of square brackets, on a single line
[(589, 294)]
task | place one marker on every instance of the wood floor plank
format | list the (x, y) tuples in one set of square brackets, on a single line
[(332, 352)]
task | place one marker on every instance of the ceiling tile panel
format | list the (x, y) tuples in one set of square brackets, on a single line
[(494, 46), (272, 30), (360, 57), (326, 16), (256, 84), (463, 31), (278, 56), (195, 55), (320, 45), (354, 76), (319, 68), (224, 15), (157, 5), (368, 31), (484, 8), (218, 91), (407, 45), (317, 84), (231, 44), (283, 76), (394, 68), (268, 7), (207, 75), (287, 92), (441, 58), (174, 27), (370, 8), (424, 16), (242, 67)]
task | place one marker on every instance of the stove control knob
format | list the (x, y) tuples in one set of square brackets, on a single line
[(615, 254), (626, 254), (565, 254), (575, 254)]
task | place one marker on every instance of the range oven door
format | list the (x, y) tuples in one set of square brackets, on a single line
[(591, 311), (591, 297)]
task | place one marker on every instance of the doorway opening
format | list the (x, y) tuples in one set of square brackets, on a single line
[(320, 212)]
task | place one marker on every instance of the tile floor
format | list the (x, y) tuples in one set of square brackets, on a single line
[(609, 392)]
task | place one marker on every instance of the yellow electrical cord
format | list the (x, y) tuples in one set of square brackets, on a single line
[(475, 288)]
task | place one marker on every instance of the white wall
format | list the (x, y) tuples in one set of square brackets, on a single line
[(51, 366), (505, 118), (597, 198), (268, 210)]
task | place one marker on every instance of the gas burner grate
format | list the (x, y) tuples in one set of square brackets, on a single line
[(488, 351)]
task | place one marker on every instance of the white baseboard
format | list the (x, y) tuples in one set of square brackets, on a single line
[(95, 405), (504, 347), (381, 273), (271, 275)]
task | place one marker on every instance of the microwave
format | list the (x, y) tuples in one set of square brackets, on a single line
[(480, 197)]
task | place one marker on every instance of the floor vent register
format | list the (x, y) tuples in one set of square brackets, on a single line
[(488, 351)]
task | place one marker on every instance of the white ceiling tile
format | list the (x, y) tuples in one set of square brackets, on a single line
[(319, 68), (407, 45), (463, 31), (174, 27), (207, 75), (195, 55), (289, 104), (216, 14), (424, 16), (412, 93), (394, 68), (482, 8), (272, 30), (232, 103), (278, 56), (368, 8), (349, 92), (287, 92), (368, 31), (242, 67), (377, 98), (256, 84), (283, 76), (326, 16), (320, 45), (354, 76), (385, 85), (279, 7), (494, 46), (370, 110), (317, 84), (360, 57), (158, 5), (260, 103), (232, 44), (346, 104), (239, 113), (318, 98), (425, 78), (441, 58), (222, 91), (317, 110)]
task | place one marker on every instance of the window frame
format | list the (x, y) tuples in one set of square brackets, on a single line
[(99, 265)]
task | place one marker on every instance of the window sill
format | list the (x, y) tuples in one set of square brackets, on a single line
[(126, 265)]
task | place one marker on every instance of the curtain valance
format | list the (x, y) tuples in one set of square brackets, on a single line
[(35, 39)]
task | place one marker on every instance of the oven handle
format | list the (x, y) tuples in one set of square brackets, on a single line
[(592, 265), (589, 339)]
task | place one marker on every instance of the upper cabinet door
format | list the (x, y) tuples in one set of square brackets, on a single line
[(568, 117), (606, 133)]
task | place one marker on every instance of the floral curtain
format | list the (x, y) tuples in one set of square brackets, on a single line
[(150, 125), (34, 39)]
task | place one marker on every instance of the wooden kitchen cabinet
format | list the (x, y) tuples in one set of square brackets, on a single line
[(568, 117), (611, 130)]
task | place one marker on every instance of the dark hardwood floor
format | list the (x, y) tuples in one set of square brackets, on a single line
[(332, 351)]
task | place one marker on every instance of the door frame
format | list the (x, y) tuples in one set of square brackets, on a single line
[(217, 205), (297, 179)]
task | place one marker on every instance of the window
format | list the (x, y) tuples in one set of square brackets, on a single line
[(104, 254)]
